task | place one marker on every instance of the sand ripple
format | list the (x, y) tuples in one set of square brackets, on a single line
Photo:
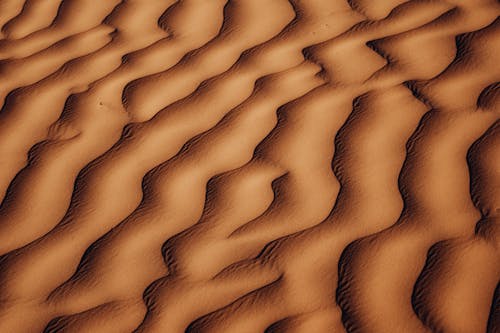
[(249, 166)]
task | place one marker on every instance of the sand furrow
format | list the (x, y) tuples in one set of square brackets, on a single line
[(469, 262), (72, 17), (30, 20), (422, 223), (8, 10)]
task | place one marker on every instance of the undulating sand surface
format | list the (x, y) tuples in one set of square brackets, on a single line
[(247, 166)]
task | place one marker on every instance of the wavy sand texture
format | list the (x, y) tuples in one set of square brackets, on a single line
[(250, 166)]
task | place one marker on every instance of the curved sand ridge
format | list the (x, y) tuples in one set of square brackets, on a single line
[(249, 166)]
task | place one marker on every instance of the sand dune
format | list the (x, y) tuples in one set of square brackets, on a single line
[(250, 166)]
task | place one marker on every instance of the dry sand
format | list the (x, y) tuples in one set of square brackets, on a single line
[(250, 166)]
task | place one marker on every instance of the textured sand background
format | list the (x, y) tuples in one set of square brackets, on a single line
[(250, 166)]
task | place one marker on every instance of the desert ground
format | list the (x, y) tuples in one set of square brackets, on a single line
[(250, 166)]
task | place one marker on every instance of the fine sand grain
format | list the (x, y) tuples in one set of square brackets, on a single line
[(250, 166)]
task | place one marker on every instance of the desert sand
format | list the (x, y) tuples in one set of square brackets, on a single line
[(247, 166)]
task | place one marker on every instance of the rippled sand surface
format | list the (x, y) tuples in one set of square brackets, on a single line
[(248, 166)]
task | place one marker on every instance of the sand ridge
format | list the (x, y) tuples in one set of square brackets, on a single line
[(249, 166)]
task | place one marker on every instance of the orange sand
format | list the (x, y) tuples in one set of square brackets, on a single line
[(247, 166)]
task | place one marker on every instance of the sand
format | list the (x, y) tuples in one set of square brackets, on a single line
[(245, 166)]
